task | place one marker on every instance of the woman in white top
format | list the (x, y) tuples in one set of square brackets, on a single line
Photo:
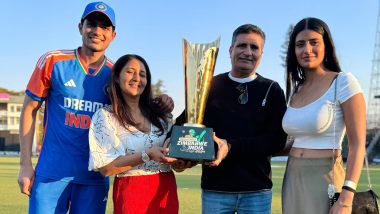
[(323, 105), (127, 140)]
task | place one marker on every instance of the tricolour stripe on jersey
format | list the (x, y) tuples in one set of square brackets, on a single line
[(85, 70)]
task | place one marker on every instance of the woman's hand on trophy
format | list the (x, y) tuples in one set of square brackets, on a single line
[(158, 154), (167, 160), (223, 149), (178, 165), (164, 103), (155, 153)]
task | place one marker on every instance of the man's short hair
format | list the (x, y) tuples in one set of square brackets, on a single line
[(246, 29)]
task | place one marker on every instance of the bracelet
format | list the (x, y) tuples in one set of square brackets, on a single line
[(349, 189), (345, 205), (350, 184)]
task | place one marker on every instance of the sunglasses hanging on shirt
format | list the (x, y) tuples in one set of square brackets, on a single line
[(243, 98)]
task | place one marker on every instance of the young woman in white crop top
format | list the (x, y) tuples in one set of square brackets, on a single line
[(323, 104)]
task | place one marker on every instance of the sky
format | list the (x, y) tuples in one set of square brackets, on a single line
[(154, 29)]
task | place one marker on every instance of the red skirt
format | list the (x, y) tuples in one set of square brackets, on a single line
[(149, 194)]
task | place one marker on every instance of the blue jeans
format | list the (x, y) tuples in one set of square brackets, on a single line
[(241, 203), (55, 196)]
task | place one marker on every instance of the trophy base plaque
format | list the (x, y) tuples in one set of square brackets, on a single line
[(192, 143)]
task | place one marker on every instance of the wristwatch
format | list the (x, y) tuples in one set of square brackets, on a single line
[(144, 156)]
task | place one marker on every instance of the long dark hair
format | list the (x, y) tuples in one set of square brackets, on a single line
[(295, 74), (121, 109)]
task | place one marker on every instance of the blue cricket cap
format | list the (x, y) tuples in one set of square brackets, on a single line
[(100, 7)]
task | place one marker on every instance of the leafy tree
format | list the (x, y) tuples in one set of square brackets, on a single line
[(40, 122), (285, 45), (157, 88), (4, 90)]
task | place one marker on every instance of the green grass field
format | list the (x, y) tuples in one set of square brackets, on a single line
[(12, 201)]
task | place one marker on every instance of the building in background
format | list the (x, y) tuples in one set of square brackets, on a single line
[(10, 110)]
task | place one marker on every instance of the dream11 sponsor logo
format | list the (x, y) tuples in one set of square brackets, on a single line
[(82, 121)]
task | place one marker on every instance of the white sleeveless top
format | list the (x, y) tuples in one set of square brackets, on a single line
[(312, 125), (108, 140)]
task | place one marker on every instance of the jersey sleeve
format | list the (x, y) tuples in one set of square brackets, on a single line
[(40, 81), (105, 145), (348, 86)]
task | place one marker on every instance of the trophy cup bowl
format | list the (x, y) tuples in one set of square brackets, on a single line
[(193, 141)]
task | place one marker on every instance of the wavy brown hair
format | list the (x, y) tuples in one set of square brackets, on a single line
[(121, 108)]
